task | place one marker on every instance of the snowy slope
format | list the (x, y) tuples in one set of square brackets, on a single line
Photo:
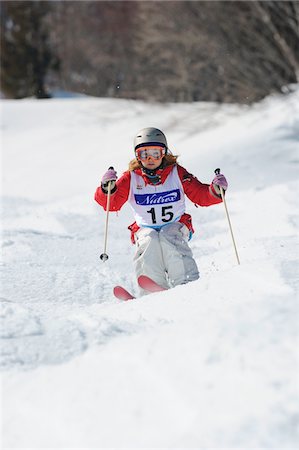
[(210, 364)]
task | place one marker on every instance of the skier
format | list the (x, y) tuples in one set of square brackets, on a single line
[(155, 186)]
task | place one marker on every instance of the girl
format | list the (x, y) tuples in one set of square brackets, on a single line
[(155, 186)]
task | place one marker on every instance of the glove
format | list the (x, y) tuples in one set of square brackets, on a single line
[(109, 177), (220, 182)]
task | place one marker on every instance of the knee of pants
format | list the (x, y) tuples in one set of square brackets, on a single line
[(148, 259), (177, 254)]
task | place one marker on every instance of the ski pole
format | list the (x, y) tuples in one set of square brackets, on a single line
[(217, 172), (104, 255)]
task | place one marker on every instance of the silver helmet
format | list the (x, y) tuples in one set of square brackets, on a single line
[(150, 135)]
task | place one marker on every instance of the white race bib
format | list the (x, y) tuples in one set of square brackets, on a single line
[(157, 205)]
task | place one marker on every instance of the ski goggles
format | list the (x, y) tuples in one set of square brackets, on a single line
[(144, 153)]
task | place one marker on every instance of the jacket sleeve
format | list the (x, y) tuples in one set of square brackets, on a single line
[(199, 193), (119, 195)]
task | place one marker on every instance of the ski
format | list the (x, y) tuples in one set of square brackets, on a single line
[(144, 282), (122, 294), (149, 285)]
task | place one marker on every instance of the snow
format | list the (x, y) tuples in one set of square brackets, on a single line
[(212, 364)]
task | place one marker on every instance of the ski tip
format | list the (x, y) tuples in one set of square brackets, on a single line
[(122, 294), (148, 284)]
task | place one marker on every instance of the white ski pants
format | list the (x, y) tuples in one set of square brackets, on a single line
[(164, 255)]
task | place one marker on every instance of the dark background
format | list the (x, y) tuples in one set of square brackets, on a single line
[(223, 51)]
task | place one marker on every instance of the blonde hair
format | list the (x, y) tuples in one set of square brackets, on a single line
[(168, 160)]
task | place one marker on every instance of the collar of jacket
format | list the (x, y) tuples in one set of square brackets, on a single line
[(161, 173)]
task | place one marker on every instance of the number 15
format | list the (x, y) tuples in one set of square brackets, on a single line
[(167, 216)]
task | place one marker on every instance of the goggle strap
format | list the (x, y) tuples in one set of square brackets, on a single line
[(150, 144)]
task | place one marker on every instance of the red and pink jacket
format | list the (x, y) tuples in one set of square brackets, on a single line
[(199, 193)]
